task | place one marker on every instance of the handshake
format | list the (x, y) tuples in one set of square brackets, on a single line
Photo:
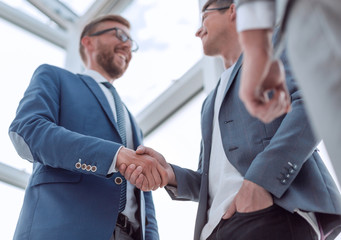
[(146, 168)]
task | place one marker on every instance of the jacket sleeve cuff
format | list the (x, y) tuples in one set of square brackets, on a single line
[(112, 168), (256, 15)]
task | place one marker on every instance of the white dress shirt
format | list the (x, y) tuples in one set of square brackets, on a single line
[(224, 180)]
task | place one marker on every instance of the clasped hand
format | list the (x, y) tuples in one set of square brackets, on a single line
[(146, 168), (261, 75)]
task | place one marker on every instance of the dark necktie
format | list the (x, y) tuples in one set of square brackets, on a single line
[(122, 130)]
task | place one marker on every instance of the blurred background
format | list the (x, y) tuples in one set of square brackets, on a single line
[(164, 87)]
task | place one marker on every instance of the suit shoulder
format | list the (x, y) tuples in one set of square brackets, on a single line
[(48, 74), (51, 69)]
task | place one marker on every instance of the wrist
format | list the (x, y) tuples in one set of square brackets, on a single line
[(171, 176), (121, 156)]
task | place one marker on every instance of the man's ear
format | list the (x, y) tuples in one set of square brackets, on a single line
[(87, 43), (233, 12)]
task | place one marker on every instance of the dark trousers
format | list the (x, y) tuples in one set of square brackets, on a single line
[(273, 223)]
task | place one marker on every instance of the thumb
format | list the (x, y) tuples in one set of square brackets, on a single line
[(231, 210), (146, 150), (122, 168), (140, 150)]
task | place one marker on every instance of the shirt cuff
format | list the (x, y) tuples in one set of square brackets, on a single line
[(256, 15), (112, 168)]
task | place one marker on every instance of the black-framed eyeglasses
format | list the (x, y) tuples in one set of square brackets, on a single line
[(120, 34), (207, 10), (216, 9)]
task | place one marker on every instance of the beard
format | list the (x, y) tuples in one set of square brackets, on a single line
[(105, 59)]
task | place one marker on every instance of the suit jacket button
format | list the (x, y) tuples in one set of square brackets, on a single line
[(283, 181), (83, 166), (78, 165), (118, 180), (93, 169), (88, 168), (293, 166)]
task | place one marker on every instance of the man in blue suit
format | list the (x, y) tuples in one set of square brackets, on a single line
[(76, 131), (255, 180)]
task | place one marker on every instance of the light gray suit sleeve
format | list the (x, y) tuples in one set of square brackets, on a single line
[(188, 181)]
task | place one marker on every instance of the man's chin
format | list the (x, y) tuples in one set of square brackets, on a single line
[(119, 68), (115, 73), (210, 52)]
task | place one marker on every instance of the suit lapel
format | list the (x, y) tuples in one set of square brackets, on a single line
[(97, 91), (208, 110), (206, 131), (206, 125), (207, 114), (234, 73)]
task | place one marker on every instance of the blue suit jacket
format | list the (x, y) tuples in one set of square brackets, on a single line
[(279, 156), (63, 120)]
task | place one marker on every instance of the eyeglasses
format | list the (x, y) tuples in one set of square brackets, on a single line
[(120, 34), (216, 9), (213, 9)]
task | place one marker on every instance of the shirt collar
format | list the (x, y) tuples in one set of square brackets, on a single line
[(95, 75), (227, 73)]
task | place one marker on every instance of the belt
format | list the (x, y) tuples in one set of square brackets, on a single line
[(123, 223)]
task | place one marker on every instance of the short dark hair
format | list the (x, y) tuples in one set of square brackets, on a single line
[(219, 3), (91, 28)]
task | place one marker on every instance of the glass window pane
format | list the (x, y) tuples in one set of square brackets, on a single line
[(178, 140), (20, 54), (29, 9), (165, 32), (76, 7)]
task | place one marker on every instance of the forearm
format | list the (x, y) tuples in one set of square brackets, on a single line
[(256, 59), (257, 48), (39, 133), (257, 41), (58, 147)]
